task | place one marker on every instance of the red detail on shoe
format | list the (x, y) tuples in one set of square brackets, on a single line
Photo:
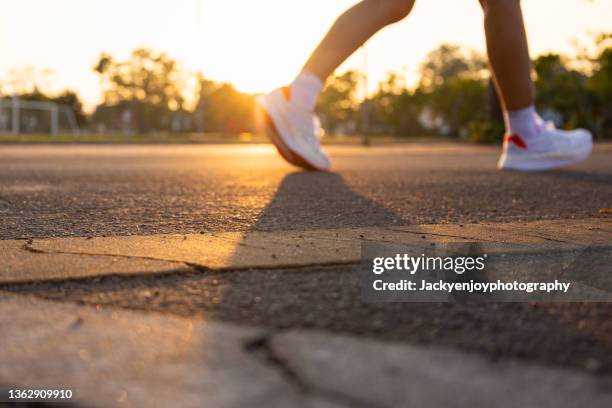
[(517, 140), (286, 93)]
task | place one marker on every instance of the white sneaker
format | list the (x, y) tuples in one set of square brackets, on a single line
[(551, 148), (294, 130)]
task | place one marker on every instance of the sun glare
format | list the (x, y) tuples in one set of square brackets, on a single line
[(256, 45), (259, 45)]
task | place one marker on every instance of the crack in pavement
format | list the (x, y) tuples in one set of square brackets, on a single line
[(263, 348), (547, 238), (5, 200), (443, 235), (233, 241), (259, 250), (185, 264), (60, 265), (29, 248)]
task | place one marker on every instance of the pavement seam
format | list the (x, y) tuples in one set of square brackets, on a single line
[(212, 254), (260, 347), (263, 348)]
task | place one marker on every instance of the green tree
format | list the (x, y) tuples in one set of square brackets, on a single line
[(562, 90), (149, 84), (448, 62), (600, 87), (222, 108), (72, 100), (454, 84), (337, 102), (395, 109)]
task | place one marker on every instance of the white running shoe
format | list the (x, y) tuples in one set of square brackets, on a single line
[(551, 148), (294, 130)]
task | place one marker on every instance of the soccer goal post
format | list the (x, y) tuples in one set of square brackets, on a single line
[(23, 116)]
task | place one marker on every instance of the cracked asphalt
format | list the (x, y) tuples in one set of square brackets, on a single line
[(48, 191), (328, 298)]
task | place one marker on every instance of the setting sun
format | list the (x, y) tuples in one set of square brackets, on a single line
[(256, 45)]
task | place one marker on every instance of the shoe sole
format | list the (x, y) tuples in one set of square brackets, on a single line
[(275, 136), (269, 129), (539, 163)]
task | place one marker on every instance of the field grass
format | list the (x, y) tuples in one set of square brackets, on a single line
[(133, 139), (188, 138)]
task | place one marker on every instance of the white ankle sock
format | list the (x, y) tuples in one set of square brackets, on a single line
[(305, 89), (522, 122)]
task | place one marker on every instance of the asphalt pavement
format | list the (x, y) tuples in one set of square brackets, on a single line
[(121, 190), (106, 191)]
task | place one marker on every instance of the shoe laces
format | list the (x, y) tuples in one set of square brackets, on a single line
[(541, 124)]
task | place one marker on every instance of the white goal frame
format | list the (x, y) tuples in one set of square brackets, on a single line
[(15, 105)]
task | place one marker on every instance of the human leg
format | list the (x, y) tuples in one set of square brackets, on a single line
[(530, 144), (351, 30), (289, 111)]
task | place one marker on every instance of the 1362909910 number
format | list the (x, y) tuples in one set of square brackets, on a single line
[(39, 394)]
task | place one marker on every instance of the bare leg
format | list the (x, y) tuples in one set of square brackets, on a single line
[(351, 30), (291, 109), (509, 52)]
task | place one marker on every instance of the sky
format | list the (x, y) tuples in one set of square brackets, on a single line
[(256, 44)]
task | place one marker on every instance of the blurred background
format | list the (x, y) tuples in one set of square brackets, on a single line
[(189, 70)]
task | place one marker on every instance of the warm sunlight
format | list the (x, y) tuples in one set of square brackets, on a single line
[(256, 45)]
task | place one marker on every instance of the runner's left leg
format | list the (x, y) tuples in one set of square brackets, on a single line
[(289, 111)]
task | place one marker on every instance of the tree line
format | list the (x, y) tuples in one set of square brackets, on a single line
[(150, 93), (455, 96)]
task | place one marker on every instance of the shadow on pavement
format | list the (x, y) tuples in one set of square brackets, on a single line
[(324, 201), (328, 298)]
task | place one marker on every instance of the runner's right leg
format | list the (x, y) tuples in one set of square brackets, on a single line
[(530, 144), (289, 111)]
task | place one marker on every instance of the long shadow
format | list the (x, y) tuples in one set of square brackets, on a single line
[(315, 200), (329, 299)]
